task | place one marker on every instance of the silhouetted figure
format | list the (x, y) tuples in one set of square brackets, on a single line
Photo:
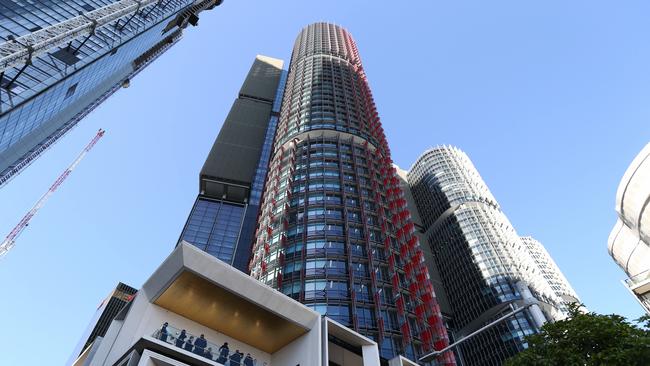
[(188, 344), (248, 361), (208, 353), (199, 345), (235, 359), (181, 338), (163, 332), (223, 353)]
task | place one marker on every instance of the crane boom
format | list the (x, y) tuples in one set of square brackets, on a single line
[(10, 240)]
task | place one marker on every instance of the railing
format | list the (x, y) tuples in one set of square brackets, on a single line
[(220, 354), (639, 278)]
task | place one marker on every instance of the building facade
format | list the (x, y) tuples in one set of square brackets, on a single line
[(550, 271), (223, 219), (104, 315), (61, 59), (196, 310), (629, 241), (334, 231), (484, 266)]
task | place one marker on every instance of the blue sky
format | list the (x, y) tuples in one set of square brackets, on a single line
[(549, 99)]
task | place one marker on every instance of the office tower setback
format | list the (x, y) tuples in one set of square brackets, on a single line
[(334, 231), (103, 317), (485, 268), (61, 59), (223, 219), (629, 241)]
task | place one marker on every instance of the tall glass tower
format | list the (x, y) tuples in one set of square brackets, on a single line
[(224, 216), (60, 59), (334, 231), (486, 269)]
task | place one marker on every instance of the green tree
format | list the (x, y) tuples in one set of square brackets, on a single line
[(588, 339)]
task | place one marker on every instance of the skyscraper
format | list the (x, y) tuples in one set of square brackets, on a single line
[(334, 231), (485, 268), (61, 59), (222, 221), (629, 241), (550, 271)]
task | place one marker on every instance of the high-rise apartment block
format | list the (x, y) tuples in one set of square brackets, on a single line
[(61, 59), (629, 242), (485, 268), (224, 216), (334, 231), (550, 271)]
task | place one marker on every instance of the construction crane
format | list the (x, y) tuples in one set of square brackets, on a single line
[(10, 240)]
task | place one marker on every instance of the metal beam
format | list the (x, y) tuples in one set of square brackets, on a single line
[(19, 50), (432, 356)]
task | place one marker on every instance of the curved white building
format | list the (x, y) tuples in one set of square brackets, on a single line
[(484, 266), (629, 241), (550, 270)]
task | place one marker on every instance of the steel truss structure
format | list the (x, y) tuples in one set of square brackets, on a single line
[(21, 50)]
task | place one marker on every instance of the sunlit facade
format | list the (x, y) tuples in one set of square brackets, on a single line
[(550, 271), (334, 231), (629, 241), (484, 266)]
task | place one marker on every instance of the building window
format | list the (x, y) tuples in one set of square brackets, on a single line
[(70, 91)]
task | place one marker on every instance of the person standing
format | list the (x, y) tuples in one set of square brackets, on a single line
[(181, 339), (223, 353), (208, 353), (199, 345), (188, 344), (235, 359), (163, 332), (248, 360)]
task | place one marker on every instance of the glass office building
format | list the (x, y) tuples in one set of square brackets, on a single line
[(334, 231), (223, 219), (484, 266), (79, 52)]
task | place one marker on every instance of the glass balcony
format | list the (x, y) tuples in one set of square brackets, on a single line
[(639, 279), (202, 347)]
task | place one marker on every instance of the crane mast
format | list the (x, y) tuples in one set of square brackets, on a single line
[(10, 240)]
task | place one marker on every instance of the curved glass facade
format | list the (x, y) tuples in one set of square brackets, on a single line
[(334, 231), (484, 265)]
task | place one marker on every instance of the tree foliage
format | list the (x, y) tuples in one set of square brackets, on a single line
[(588, 339)]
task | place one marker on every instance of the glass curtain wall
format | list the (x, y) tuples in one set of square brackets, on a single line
[(334, 231)]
